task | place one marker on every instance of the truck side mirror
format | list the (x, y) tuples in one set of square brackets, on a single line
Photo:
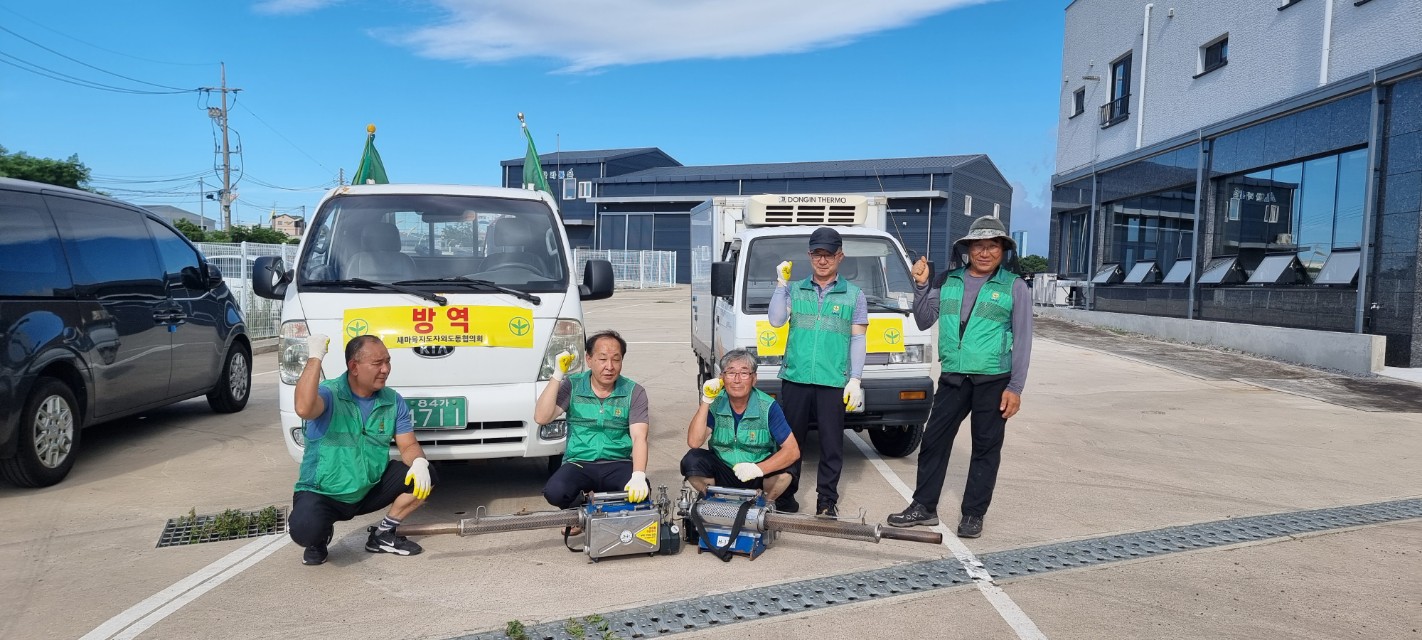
[(723, 279), (270, 277), (597, 280)]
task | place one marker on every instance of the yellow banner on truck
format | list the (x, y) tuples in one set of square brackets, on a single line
[(885, 335), (450, 326)]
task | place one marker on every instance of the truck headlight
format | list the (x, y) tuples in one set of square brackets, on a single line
[(291, 350), (567, 336), (298, 435), (912, 354), (555, 430)]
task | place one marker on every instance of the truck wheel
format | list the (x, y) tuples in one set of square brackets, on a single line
[(234, 386), (48, 437), (703, 373), (896, 441)]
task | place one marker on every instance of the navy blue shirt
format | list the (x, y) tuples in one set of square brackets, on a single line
[(316, 427), (779, 428)]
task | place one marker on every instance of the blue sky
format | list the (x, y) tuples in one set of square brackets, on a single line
[(708, 81)]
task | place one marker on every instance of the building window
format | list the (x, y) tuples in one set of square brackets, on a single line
[(1214, 55), (1157, 227), (1120, 105), (967, 205), (1309, 208), (1078, 102), (585, 189), (996, 210), (570, 188)]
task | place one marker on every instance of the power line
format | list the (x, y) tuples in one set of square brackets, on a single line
[(279, 134), (90, 44), (81, 62), (31, 67)]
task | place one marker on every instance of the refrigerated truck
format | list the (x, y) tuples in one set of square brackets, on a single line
[(736, 243)]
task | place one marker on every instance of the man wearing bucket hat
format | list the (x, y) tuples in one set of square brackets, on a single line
[(984, 315)]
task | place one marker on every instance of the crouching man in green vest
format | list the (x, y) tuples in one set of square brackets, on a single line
[(984, 316), (607, 425), (346, 470), (752, 446)]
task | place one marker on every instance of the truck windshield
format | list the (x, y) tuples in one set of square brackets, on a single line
[(874, 264), (424, 241)]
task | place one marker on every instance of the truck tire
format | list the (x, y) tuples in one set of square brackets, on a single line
[(703, 372), (234, 385), (48, 436), (896, 441)]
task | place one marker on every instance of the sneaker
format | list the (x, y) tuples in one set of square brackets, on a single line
[(915, 514), (387, 542), (787, 504), (827, 509), (316, 553), (970, 527)]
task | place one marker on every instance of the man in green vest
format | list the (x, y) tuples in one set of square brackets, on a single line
[(346, 470), (824, 358), (607, 425), (751, 444), (984, 316)]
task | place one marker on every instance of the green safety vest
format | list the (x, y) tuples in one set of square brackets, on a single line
[(751, 440), (598, 428), (986, 343), (817, 347), (346, 461)]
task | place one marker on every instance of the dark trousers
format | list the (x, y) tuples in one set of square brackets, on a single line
[(566, 487), (705, 463), (806, 403), (313, 515), (951, 404)]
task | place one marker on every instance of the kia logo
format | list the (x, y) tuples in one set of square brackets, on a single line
[(433, 351)]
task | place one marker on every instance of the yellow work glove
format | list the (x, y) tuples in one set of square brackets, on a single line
[(565, 362), (711, 389), (317, 345), (747, 471), (782, 273), (853, 396), (420, 475), (636, 487)]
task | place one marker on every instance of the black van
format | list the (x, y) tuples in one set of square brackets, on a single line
[(105, 310)]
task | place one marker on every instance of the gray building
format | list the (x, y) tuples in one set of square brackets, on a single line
[(174, 214), (932, 200), (1251, 162)]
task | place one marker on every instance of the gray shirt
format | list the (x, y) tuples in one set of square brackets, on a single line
[(925, 314)]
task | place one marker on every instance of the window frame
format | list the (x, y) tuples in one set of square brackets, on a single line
[(1118, 108), (1203, 64), (1078, 102), (584, 189)]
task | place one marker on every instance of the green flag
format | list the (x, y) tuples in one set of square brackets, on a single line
[(371, 170), (532, 168)]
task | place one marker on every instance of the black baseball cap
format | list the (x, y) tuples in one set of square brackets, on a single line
[(827, 239)]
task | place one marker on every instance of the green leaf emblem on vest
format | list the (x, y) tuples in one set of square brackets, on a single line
[(836, 308)]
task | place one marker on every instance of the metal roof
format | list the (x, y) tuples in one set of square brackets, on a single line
[(590, 155), (819, 169)]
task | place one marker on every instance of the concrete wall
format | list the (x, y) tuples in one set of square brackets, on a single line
[(1351, 352)]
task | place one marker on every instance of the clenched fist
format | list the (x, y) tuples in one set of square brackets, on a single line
[(782, 273), (921, 271), (711, 389)]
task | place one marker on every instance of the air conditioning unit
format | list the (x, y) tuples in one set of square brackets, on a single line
[(1284, 238)]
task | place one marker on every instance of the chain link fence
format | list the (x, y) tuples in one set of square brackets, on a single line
[(235, 260), (632, 269)]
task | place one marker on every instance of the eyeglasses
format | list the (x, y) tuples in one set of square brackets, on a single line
[(822, 257), (986, 247), (737, 374)]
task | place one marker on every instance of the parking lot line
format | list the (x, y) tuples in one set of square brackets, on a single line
[(264, 373), (1012, 614)]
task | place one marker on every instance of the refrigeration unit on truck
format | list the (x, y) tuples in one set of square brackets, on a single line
[(473, 291), (736, 243)]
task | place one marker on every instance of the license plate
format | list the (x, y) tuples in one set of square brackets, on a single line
[(438, 413)]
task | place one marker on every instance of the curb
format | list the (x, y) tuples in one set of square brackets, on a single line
[(264, 345)]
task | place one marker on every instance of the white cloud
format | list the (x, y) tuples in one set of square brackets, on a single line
[(592, 34), (291, 7)]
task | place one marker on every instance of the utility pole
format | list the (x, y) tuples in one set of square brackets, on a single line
[(220, 115)]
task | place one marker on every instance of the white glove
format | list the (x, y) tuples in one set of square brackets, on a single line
[(636, 487), (747, 471), (853, 396), (565, 362), (316, 346), (782, 273), (420, 475), (711, 389)]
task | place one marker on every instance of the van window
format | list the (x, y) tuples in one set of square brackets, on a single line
[(873, 264), (109, 250), (419, 239), (181, 264), (31, 263)]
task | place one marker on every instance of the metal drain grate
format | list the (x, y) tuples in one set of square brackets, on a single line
[(195, 529), (763, 602)]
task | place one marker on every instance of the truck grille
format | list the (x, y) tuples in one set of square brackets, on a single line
[(498, 432)]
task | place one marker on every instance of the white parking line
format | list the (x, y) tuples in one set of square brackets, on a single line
[(1006, 607), (143, 615), (264, 373)]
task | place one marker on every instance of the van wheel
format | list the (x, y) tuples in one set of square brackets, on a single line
[(234, 386), (896, 441), (48, 437)]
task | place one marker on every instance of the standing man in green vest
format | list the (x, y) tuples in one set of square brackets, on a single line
[(346, 469), (824, 358), (984, 316), (751, 444), (607, 425)]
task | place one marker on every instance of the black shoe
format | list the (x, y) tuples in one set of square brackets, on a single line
[(387, 542), (915, 514), (787, 504), (970, 527), (316, 553), (827, 509)]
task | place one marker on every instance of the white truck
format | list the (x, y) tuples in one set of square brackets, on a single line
[(736, 243), (471, 288)]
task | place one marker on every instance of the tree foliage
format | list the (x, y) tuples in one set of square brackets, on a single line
[(239, 233), (64, 173), (1033, 264), (192, 231)]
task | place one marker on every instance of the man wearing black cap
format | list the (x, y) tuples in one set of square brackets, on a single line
[(984, 316), (824, 358)]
